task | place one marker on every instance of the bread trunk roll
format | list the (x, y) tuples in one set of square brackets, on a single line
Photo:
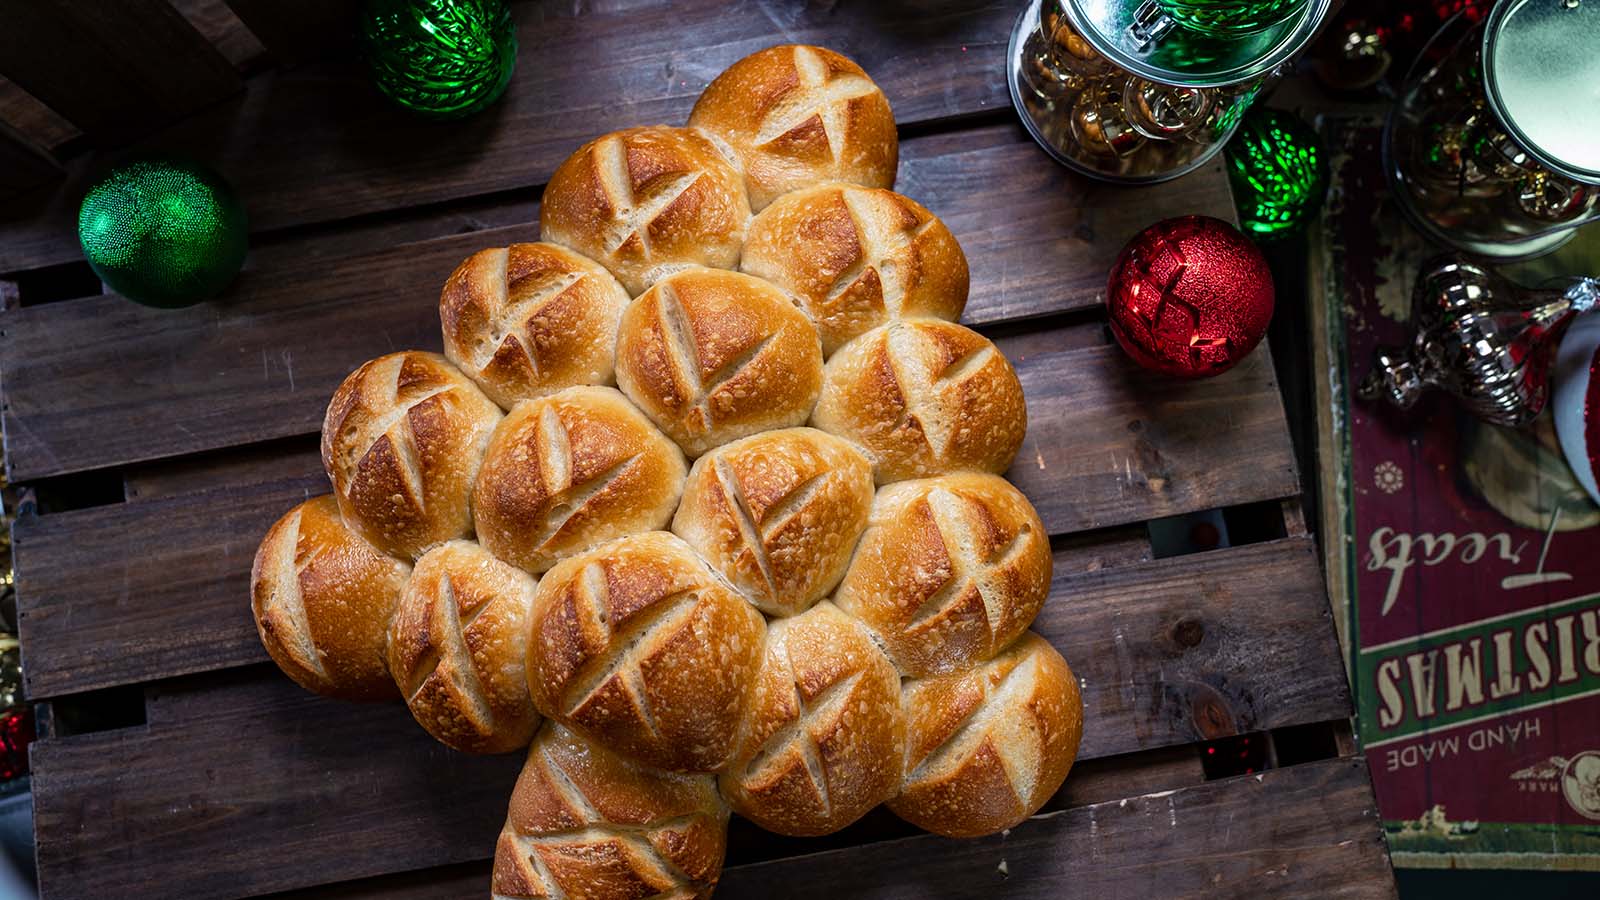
[(924, 397), (586, 824), (778, 514), (799, 115), (322, 597), (531, 319), (640, 646), (646, 202), (711, 356), (458, 649), (856, 258), (823, 743), (566, 473), (950, 570), (401, 443), (986, 747)]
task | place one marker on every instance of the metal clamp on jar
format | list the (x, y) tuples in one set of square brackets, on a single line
[(1141, 92)]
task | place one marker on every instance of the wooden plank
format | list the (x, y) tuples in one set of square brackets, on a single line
[(300, 30), (115, 70), (583, 69), (1167, 651), (221, 27), (260, 363), (22, 166), (39, 125), (1107, 444)]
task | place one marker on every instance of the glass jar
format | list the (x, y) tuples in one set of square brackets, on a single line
[(1140, 92), (1494, 145)]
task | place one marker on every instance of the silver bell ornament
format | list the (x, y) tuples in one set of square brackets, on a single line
[(1481, 338)]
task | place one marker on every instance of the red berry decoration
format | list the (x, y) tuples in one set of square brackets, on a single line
[(1189, 297)]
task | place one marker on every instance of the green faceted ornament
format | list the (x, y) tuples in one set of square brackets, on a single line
[(441, 58), (1278, 171), (163, 232)]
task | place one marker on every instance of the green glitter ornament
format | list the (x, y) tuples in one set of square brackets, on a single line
[(1278, 172), (163, 232), (441, 58)]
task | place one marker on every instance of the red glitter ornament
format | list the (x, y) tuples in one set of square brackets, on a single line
[(1189, 297)]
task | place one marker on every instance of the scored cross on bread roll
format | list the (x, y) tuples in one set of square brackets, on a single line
[(586, 823), (950, 570), (570, 471), (986, 747), (401, 443), (646, 202), (711, 356), (799, 115), (924, 397), (778, 514), (458, 649), (822, 743), (856, 258), (531, 319), (640, 646), (322, 597)]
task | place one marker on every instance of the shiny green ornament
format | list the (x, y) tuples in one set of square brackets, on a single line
[(441, 58), (1278, 171), (163, 232)]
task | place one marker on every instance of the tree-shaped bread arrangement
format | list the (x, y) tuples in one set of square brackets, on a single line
[(738, 542)]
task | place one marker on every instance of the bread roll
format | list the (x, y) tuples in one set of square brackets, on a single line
[(401, 444), (711, 356), (924, 397), (824, 739), (778, 514), (648, 201), (585, 823), (986, 747), (458, 649), (568, 472), (322, 598), (857, 258), (950, 570), (800, 115), (644, 649), (530, 319)]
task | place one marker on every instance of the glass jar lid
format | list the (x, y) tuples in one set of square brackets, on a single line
[(1189, 58), (1542, 76)]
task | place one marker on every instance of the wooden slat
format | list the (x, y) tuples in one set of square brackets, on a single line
[(222, 780), (261, 363), (22, 166), (583, 69), (115, 70), (299, 30), (1107, 444), (221, 27)]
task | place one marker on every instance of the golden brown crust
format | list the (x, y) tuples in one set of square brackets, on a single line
[(778, 514), (711, 356), (799, 115), (857, 258), (924, 397), (458, 649), (645, 202), (401, 443), (530, 319), (950, 570), (322, 598), (586, 823), (568, 472), (641, 647), (823, 741), (985, 748)]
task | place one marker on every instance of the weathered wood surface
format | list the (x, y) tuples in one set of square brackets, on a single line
[(261, 364), (115, 70), (298, 30), (213, 795), (102, 602), (22, 165), (583, 69)]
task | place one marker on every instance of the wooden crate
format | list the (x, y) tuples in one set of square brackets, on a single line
[(223, 779)]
